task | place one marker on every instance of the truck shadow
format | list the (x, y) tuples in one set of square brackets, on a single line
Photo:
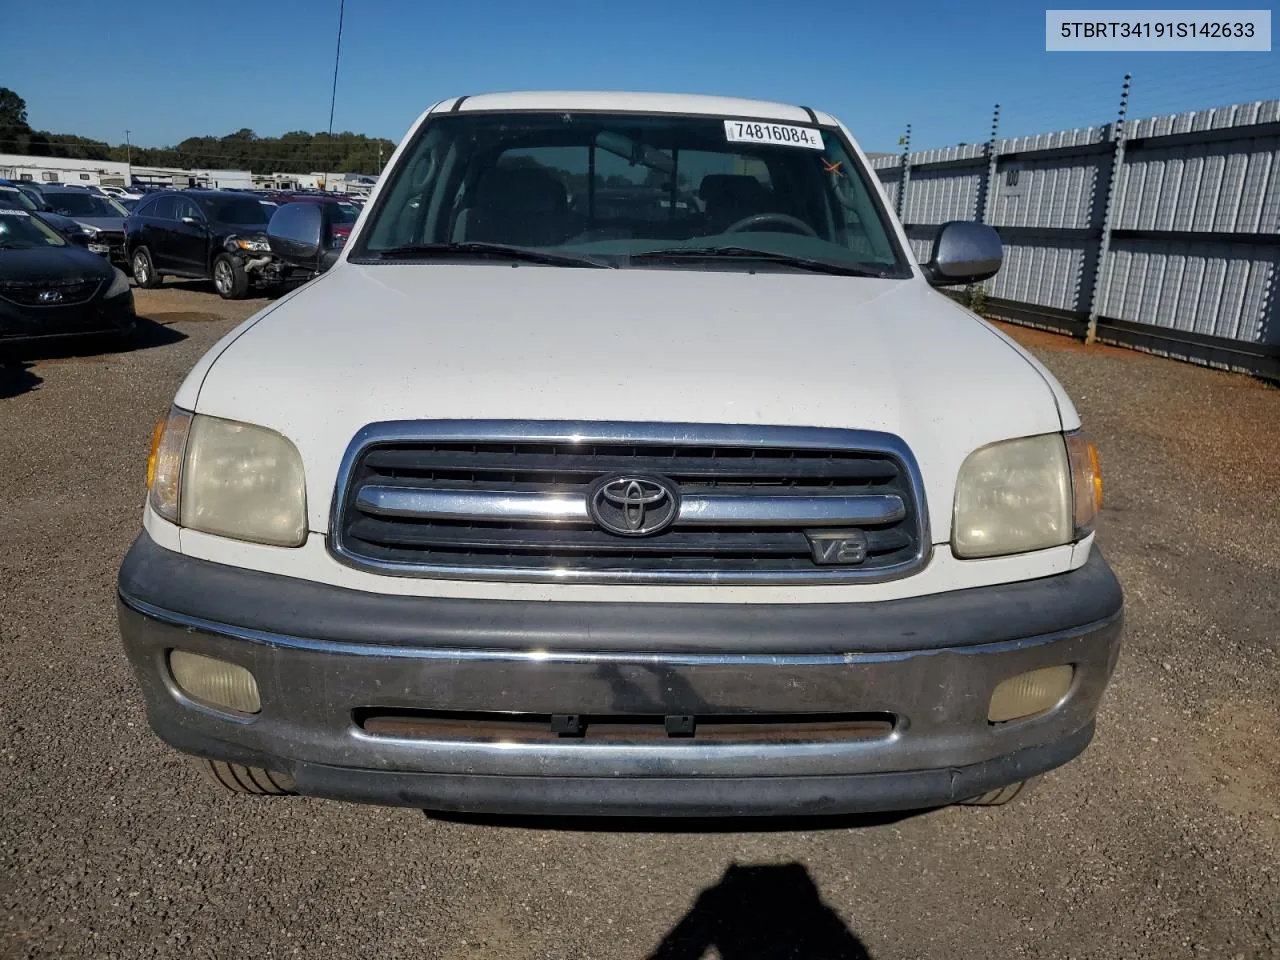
[(761, 912)]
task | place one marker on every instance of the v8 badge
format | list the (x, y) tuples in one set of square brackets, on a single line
[(831, 547)]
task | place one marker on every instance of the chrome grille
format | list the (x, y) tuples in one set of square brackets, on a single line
[(508, 500)]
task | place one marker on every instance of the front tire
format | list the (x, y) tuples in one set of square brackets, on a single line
[(238, 778), (998, 797), (144, 269), (229, 278)]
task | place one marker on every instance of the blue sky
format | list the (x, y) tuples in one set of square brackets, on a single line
[(168, 70)]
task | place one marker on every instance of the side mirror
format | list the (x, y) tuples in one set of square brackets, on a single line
[(298, 234), (963, 252), (193, 221)]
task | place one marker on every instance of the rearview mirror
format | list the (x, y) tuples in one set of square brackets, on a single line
[(963, 252), (299, 235), (192, 221), (633, 152)]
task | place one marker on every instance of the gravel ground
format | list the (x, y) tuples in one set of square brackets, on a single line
[(1163, 840)]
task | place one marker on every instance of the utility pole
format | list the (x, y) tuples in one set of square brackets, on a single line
[(128, 149)]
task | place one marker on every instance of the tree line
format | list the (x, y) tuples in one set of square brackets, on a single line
[(295, 152)]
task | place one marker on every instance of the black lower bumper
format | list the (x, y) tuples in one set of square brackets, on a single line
[(22, 325), (324, 657)]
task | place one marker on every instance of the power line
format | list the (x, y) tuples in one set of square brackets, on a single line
[(333, 97)]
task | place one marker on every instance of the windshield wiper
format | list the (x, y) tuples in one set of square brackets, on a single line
[(750, 253), (491, 251)]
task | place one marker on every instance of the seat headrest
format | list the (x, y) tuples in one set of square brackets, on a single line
[(520, 188)]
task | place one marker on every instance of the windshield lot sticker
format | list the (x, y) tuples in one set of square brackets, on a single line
[(13, 213), (751, 131)]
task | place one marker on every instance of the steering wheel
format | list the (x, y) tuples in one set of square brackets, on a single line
[(781, 219)]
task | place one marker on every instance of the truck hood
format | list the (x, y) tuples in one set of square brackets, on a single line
[(488, 341)]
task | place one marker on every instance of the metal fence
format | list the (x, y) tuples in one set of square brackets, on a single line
[(1161, 234)]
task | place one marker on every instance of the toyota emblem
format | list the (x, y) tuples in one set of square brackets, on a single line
[(49, 296), (633, 506)]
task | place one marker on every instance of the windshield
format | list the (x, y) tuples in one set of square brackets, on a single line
[(16, 198), (345, 213), (242, 210), (85, 205), (635, 191), (19, 229)]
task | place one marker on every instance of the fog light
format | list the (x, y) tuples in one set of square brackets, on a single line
[(1029, 693), (215, 682)]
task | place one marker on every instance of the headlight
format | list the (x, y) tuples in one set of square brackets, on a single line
[(119, 284), (1012, 497), (230, 479), (255, 244), (88, 228)]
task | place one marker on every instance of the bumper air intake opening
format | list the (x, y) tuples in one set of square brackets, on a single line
[(467, 726)]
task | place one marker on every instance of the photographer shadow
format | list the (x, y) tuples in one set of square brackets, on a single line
[(765, 912), (17, 378)]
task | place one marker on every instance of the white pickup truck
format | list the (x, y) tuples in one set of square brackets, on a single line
[(623, 461)]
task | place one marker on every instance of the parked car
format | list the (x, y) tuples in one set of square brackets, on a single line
[(33, 202), (122, 194), (100, 216), (208, 234), (53, 288), (518, 508), (31, 191)]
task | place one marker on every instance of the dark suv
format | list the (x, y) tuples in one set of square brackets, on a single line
[(206, 234)]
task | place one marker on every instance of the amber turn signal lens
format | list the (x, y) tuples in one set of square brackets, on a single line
[(1097, 475), (1086, 482), (164, 468), (156, 434)]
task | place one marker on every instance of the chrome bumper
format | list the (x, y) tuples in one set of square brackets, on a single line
[(311, 689)]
